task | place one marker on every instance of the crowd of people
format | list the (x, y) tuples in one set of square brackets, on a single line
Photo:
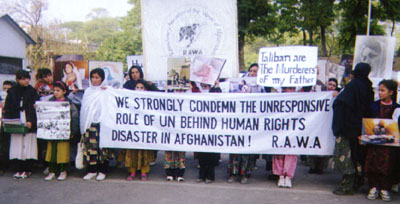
[(379, 164)]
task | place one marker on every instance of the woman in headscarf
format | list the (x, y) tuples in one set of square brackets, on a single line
[(350, 106), (135, 74)]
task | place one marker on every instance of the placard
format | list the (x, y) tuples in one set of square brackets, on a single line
[(53, 120)]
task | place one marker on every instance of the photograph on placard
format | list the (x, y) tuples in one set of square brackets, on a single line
[(379, 131), (112, 70), (206, 69), (178, 72), (377, 51), (336, 71), (74, 73), (244, 85)]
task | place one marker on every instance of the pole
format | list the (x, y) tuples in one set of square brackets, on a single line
[(369, 16)]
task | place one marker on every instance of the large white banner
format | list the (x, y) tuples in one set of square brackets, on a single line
[(254, 123), (290, 66), (188, 28), (53, 120)]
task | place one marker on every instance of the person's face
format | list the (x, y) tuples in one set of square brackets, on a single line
[(135, 74), (140, 87), (288, 89), (6, 87), (95, 79), (253, 71), (59, 93), (205, 86), (48, 79), (68, 68), (24, 81), (331, 85), (384, 92)]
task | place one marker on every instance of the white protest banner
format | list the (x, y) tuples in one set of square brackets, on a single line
[(53, 120), (253, 123), (290, 66), (188, 28)]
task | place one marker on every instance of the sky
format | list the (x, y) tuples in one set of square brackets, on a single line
[(76, 10)]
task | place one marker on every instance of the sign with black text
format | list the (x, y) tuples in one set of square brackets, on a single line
[(253, 123), (53, 120), (287, 66)]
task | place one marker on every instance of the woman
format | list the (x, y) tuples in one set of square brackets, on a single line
[(19, 105), (96, 157), (350, 106)]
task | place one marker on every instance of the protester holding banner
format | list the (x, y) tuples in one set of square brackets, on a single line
[(96, 157), (58, 151), (380, 160), (285, 165), (137, 159), (19, 105), (350, 106)]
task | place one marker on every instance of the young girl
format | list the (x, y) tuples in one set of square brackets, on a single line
[(380, 160), (96, 157), (57, 154), (285, 165), (137, 159), (19, 104)]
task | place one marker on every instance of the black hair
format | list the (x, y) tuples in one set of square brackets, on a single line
[(139, 70), (215, 90), (391, 85), (42, 73), (22, 74), (334, 80), (253, 65), (7, 82), (141, 81), (98, 71), (62, 86)]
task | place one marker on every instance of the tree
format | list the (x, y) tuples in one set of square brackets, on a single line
[(389, 10)]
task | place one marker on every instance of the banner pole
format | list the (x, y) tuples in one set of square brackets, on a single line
[(369, 16)]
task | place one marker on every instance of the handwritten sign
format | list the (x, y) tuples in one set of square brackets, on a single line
[(53, 120)]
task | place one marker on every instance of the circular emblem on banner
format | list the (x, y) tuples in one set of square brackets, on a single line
[(192, 31)]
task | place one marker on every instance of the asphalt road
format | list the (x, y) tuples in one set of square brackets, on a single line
[(307, 188)]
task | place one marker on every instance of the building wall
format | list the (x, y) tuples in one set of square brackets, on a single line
[(12, 44)]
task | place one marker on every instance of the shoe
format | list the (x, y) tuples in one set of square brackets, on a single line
[(208, 181), (131, 177), (170, 178), (89, 176), (231, 179), (25, 175), (343, 191), (373, 194), (281, 182), (62, 176), (273, 177), (243, 180), (17, 175), (395, 188), (46, 171), (100, 176), (288, 182), (385, 196), (180, 179), (144, 177), (50, 177), (152, 163), (199, 180)]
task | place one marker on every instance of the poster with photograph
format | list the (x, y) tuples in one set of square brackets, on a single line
[(53, 120), (244, 85), (321, 70), (74, 73), (380, 132), (134, 60), (187, 28), (206, 69), (178, 72), (113, 72), (335, 71), (378, 51)]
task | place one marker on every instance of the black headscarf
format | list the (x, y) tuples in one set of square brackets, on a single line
[(352, 104), (131, 84)]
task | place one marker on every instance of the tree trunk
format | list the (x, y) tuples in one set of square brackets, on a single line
[(393, 26), (241, 53), (310, 42), (304, 37), (323, 42)]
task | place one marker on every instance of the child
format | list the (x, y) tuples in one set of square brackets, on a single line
[(285, 165), (44, 85), (96, 157), (19, 104), (58, 151), (380, 160)]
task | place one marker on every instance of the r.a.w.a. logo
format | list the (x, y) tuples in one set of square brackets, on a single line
[(192, 31)]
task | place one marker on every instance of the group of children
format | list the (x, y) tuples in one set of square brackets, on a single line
[(20, 103)]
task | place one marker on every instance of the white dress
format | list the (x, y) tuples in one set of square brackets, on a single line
[(23, 146)]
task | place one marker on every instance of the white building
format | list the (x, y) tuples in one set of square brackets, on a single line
[(13, 41)]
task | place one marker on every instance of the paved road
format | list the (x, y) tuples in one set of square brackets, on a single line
[(306, 188)]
